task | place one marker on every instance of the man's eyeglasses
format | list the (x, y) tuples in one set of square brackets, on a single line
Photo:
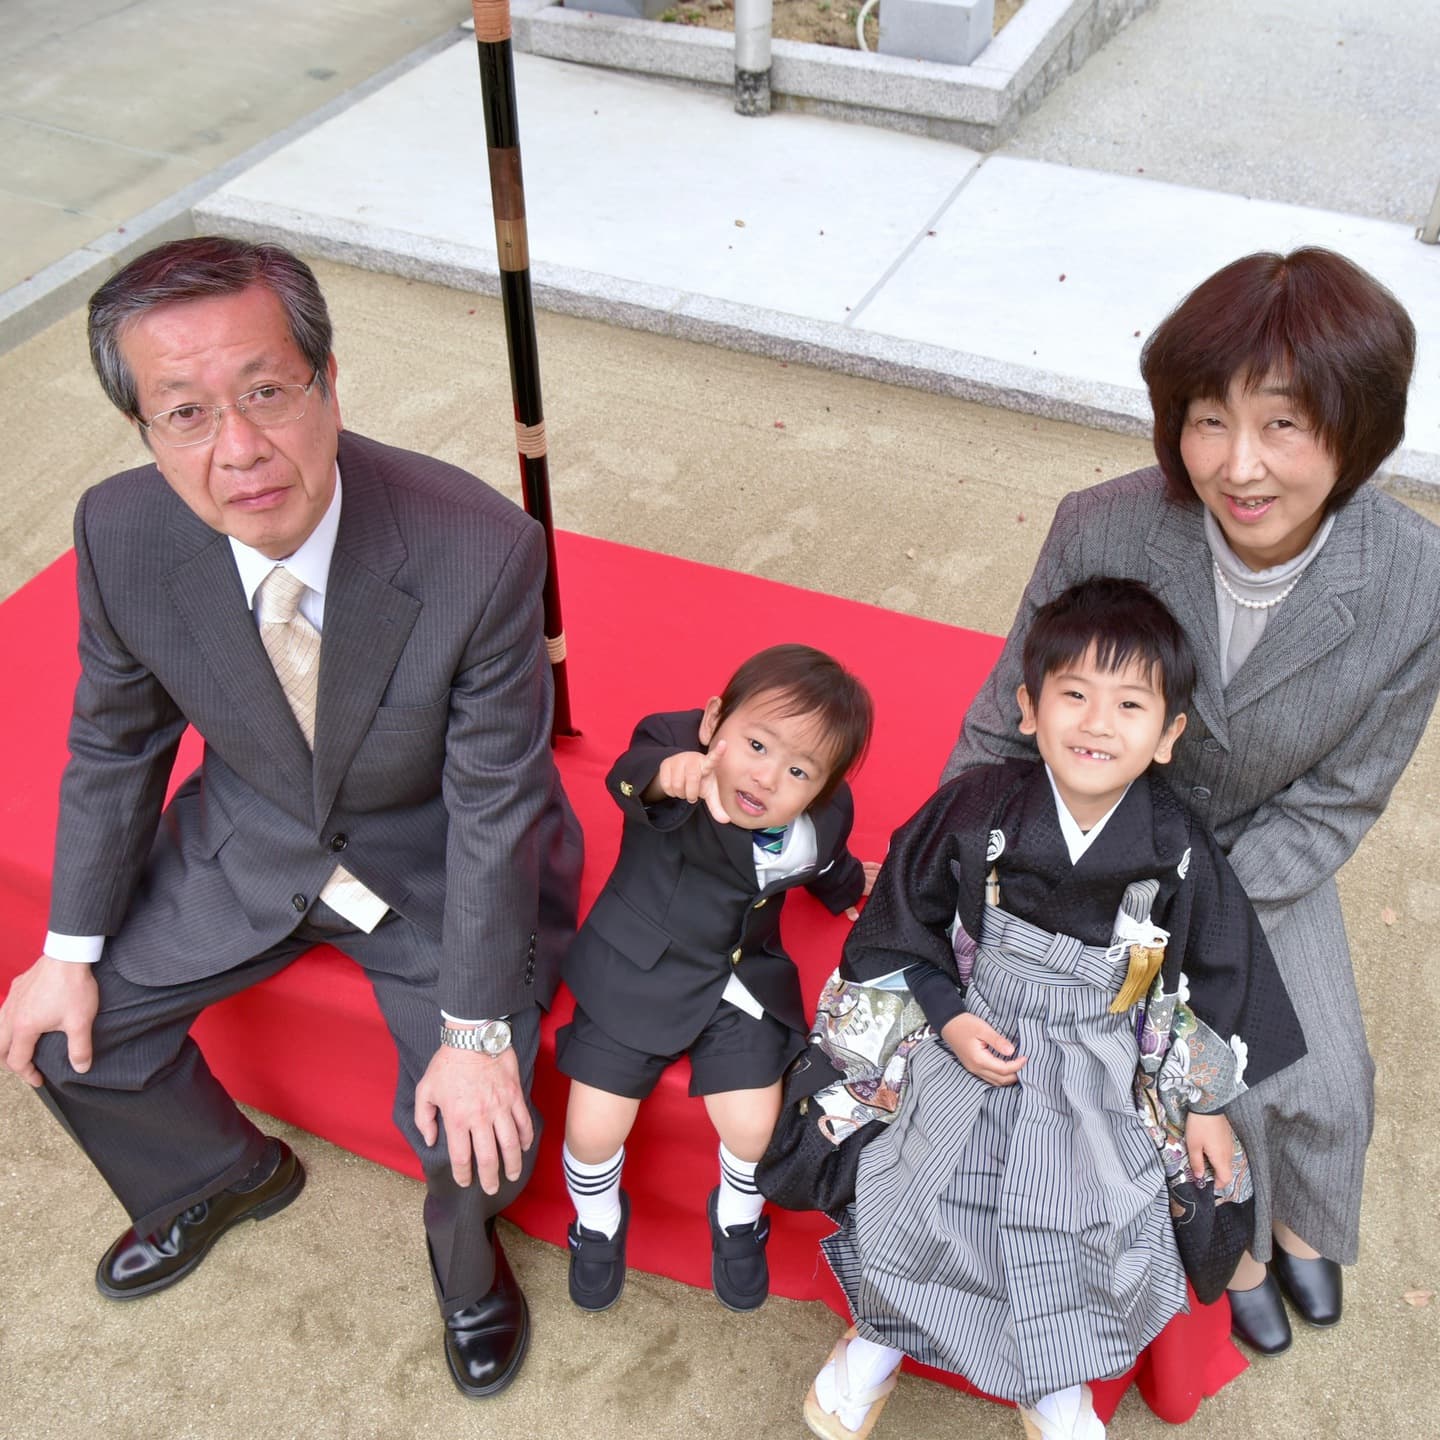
[(266, 406)]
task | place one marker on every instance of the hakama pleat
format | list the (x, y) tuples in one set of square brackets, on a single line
[(1018, 1235)]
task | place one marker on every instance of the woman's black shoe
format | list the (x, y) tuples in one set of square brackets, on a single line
[(1313, 1287), (1258, 1317)]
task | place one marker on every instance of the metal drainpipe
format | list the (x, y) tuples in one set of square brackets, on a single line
[(752, 56)]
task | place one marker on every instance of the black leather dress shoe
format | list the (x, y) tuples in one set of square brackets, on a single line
[(1258, 1317), (1312, 1286), (739, 1270), (485, 1342), (597, 1264), (137, 1265)]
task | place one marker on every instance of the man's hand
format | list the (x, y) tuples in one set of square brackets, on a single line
[(690, 776), (50, 995), (482, 1102), (975, 1045), (1209, 1137)]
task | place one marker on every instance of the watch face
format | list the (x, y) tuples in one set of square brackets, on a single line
[(495, 1037)]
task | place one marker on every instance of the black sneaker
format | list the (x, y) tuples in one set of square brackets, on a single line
[(738, 1268), (597, 1265)]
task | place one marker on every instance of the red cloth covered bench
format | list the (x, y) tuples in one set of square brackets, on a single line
[(646, 632)]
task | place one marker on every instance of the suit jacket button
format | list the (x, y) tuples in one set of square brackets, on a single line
[(760, 903), (735, 956), (1212, 745), (626, 789), (299, 902), (1201, 792), (339, 841)]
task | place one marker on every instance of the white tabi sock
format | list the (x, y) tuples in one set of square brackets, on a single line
[(740, 1201), (595, 1191), (866, 1364), (1068, 1412)]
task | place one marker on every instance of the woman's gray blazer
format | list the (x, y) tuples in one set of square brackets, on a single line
[(1289, 765)]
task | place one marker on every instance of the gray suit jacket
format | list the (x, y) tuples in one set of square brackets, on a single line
[(432, 770), (1293, 762)]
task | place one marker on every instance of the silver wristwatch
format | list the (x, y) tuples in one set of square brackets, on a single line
[(490, 1037)]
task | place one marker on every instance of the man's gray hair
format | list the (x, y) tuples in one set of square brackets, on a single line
[(197, 269)]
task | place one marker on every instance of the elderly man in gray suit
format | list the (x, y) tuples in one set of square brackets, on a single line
[(355, 631)]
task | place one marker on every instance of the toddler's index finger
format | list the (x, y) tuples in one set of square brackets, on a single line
[(712, 756)]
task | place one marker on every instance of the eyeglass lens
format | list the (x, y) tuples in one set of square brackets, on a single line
[(268, 406)]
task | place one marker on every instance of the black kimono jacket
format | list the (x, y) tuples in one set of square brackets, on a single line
[(1005, 816)]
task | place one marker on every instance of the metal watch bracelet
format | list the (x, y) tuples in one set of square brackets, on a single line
[(490, 1037)]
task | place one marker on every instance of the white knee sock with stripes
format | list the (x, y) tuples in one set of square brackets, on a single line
[(740, 1201), (595, 1191)]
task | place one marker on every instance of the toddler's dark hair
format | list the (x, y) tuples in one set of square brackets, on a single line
[(806, 681), (1126, 622)]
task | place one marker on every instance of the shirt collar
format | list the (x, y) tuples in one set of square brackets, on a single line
[(310, 563), (1078, 841), (798, 852)]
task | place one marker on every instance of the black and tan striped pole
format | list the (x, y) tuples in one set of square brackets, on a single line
[(507, 197)]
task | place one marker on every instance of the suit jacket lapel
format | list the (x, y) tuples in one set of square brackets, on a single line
[(1313, 619), (367, 623), (1177, 546), (827, 821), (205, 587)]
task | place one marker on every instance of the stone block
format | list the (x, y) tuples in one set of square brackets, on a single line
[(634, 9), (951, 32)]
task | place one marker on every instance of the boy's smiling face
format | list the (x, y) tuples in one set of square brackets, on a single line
[(1097, 730), (773, 765)]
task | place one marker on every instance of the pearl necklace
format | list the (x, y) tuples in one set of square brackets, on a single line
[(1252, 604)]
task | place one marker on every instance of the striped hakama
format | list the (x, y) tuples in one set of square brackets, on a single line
[(1018, 1235)]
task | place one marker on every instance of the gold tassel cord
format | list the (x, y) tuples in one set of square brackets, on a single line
[(1145, 963)]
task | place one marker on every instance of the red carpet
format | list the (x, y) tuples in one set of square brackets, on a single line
[(646, 632)]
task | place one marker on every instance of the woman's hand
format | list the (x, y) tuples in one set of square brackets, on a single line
[(1209, 1137), (982, 1050)]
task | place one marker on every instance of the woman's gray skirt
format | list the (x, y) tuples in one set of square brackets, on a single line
[(1306, 1129)]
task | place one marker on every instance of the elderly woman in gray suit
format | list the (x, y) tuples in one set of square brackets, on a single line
[(1312, 601)]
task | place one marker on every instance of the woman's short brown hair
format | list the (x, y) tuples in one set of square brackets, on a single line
[(1343, 343)]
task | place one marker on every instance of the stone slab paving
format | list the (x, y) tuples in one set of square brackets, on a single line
[(882, 254)]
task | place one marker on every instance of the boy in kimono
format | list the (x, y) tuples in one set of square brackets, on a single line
[(726, 809), (1013, 1224)]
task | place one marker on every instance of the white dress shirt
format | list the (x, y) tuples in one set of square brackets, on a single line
[(796, 853)]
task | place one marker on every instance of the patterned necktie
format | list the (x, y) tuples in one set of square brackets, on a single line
[(770, 839), (293, 645)]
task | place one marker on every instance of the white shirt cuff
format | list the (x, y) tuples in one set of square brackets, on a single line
[(450, 1019), (74, 949)]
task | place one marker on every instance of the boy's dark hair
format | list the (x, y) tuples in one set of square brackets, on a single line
[(1126, 622), (806, 681)]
